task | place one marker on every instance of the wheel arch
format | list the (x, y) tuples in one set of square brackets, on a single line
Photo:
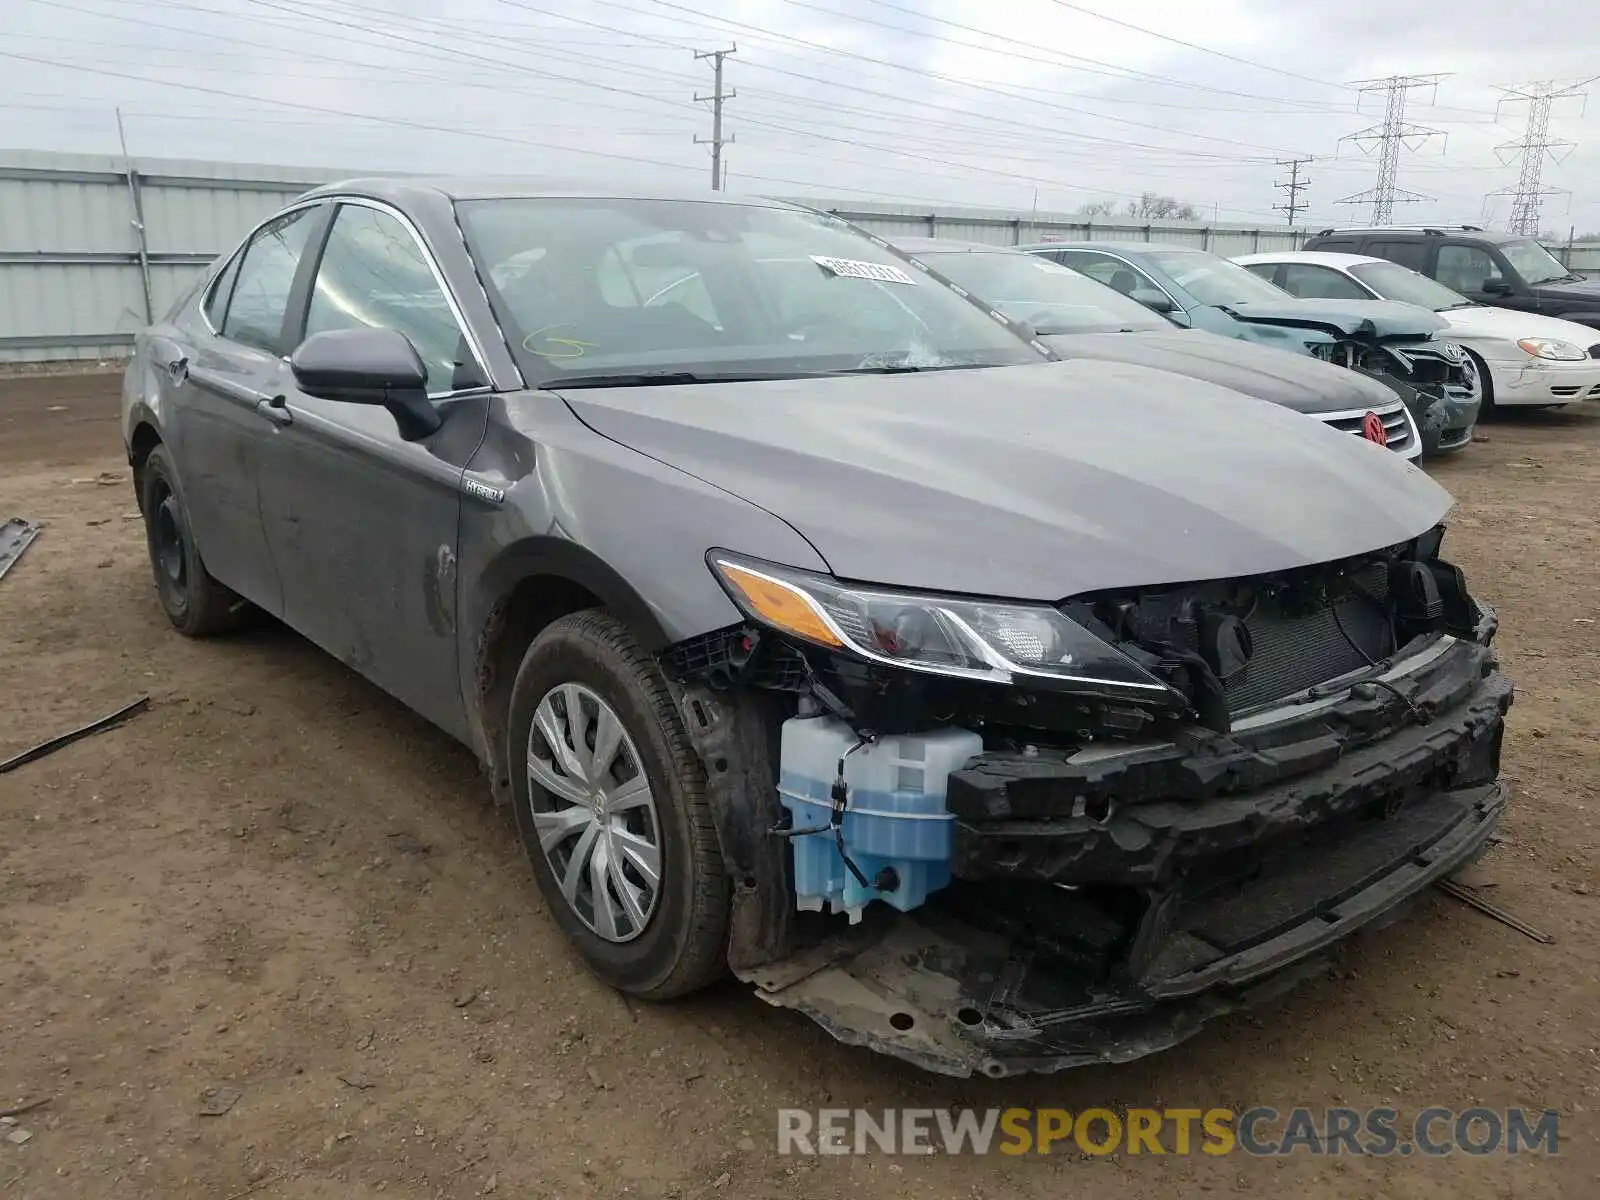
[(525, 587), (144, 435)]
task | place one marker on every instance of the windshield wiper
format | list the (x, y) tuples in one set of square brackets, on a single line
[(909, 368), (671, 378)]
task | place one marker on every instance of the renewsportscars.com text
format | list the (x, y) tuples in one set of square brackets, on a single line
[(1261, 1131)]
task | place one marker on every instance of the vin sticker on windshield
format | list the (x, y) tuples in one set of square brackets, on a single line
[(850, 268)]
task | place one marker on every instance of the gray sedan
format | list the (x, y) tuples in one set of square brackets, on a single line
[(816, 626)]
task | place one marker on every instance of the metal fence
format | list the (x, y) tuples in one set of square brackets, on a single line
[(93, 248)]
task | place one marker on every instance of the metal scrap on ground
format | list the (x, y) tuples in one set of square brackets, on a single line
[(16, 535), (66, 739), (1470, 897)]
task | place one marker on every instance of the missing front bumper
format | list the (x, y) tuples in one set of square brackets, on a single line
[(1109, 904), (956, 999)]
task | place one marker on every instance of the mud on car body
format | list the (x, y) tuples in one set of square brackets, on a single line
[(997, 712)]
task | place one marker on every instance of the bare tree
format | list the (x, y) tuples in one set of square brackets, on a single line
[(1099, 208), (1153, 206)]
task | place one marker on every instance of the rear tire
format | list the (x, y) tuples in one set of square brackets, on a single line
[(195, 603), (595, 832)]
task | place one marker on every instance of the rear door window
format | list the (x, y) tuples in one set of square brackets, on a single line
[(266, 277), (1310, 281)]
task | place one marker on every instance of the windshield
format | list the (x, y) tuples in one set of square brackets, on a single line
[(1533, 262), (1051, 298), (589, 286), (1394, 282), (1213, 280)]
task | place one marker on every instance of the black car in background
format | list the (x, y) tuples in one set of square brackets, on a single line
[(1506, 270)]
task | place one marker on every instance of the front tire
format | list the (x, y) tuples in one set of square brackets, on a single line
[(195, 603), (610, 801), (1485, 386)]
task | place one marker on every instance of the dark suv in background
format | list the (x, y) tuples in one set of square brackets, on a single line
[(1506, 270)]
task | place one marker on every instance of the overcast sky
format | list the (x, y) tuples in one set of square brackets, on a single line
[(959, 101)]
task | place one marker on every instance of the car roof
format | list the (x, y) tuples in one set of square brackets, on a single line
[(1468, 232), (938, 245), (1114, 247), (399, 189), (1324, 258)]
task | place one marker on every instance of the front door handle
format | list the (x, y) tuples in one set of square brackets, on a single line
[(275, 409)]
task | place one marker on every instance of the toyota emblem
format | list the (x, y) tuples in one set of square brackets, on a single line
[(1372, 429)]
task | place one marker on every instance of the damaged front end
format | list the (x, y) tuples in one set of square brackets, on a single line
[(1437, 380), (1085, 863)]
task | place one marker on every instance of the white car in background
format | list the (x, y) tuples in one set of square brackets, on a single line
[(1522, 358)]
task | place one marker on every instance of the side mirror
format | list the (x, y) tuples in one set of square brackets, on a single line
[(369, 366), (1153, 300), (1497, 286)]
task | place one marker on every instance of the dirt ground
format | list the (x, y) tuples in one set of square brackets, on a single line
[(279, 883)]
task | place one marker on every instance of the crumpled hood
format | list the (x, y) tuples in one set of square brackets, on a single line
[(1033, 482), (1345, 318), (1295, 381)]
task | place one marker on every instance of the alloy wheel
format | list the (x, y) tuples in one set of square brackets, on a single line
[(594, 812)]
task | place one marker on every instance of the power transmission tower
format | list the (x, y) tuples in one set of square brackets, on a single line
[(716, 140), (1533, 149), (1292, 187), (1394, 131)]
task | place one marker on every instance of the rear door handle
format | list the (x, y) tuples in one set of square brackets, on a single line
[(275, 409)]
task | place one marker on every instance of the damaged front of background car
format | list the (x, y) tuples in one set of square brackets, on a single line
[(1392, 342)]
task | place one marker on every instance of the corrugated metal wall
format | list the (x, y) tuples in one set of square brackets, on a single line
[(74, 271), (1005, 227), (73, 268)]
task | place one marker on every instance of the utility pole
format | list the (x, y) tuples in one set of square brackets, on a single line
[(1292, 187), (716, 140), (1535, 146), (1394, 131), (136, 206)]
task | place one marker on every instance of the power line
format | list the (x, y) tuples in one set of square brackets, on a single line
[(1260, 66), (716, 140), (1389, 136), (1536, 145), (1292, 187)]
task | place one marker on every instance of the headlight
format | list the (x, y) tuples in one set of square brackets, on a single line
[(1551, 348), (992, 641)]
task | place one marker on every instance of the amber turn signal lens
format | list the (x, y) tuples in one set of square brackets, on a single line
[(779, 604)]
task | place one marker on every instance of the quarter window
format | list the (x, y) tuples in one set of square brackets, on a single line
[(1413, 253), (221, 288), (266, 273), (374, 275)]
